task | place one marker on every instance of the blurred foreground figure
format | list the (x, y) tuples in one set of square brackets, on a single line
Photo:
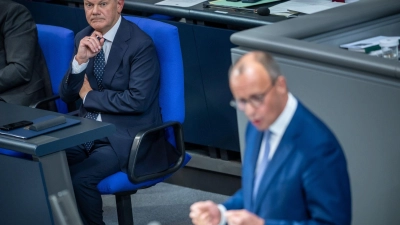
[(294, 170)]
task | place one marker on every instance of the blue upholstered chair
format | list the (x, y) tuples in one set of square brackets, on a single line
[(57, 44), (171, 100)]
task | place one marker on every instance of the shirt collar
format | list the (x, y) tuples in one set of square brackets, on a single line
[(281, 123), (110, 35)]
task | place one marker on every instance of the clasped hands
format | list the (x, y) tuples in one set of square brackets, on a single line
[(89, 47), (207, 213)]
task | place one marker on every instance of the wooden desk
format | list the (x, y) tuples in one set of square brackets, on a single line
[(26, 184)]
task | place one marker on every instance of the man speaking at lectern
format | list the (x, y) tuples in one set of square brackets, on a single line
[(294, 170)]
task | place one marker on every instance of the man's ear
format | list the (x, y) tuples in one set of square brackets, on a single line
[(120, 5), (281, 84)]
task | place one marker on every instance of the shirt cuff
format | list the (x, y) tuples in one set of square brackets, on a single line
[(222, 210), (76, 68), (84, 98)]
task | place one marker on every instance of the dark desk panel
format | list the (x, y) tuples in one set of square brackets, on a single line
[(52, 142), (214, 61), (31, 182), (22, 192), (210, 121)]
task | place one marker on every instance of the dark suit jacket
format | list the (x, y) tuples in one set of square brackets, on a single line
[(24, 78), (306, 180), (130, 96)]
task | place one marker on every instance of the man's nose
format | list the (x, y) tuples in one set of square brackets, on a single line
[(95, 9)]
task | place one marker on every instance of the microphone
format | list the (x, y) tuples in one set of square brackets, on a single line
[(262, 11)]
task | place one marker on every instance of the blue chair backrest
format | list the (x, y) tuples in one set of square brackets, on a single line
[(57, 44), (171, 97), (172, 101)]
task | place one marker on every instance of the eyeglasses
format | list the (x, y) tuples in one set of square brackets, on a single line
[(255, 100)]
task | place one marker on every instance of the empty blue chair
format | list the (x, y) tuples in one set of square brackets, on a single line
[(172, 103), (57, 44)]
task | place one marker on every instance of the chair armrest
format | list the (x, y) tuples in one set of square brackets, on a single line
[(45, 100), (178, 134)]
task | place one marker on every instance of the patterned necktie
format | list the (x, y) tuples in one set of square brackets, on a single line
[(99, 64), (261, 168)]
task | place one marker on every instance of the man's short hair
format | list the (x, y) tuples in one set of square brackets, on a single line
[(265, 59)]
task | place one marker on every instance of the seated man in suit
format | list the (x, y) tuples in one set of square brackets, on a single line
[(115, 71), (24, 78), (294, 170)]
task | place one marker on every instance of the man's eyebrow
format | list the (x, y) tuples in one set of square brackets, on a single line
[(255, 95), (87, 1)]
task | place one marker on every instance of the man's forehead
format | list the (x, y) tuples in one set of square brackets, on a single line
[(249, 67), (96, 1)]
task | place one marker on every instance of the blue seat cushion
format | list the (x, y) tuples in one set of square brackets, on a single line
[(119, 182)]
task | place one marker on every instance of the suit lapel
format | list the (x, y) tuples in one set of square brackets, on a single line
[(118, 49), (282, 154), (253, 144)]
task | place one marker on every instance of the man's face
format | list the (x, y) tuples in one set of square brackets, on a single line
[(257, 96), (103, 14)]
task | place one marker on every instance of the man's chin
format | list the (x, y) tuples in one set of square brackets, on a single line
[(97, 25)]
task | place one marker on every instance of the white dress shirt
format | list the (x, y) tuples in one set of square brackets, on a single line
[(108, 40), (277, 129)]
